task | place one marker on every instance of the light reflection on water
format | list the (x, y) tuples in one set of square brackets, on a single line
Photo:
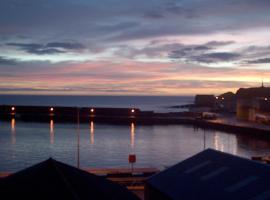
[(13, 131), (103, 145), (51, 131), (132, 135), (92, 133)]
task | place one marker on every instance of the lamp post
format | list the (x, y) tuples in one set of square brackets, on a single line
[(204, 139), (78, 137)]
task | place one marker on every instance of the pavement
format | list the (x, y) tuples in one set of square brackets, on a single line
[(232, 120)]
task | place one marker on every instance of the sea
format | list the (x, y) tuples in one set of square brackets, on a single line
[(145, 103), (99, 145)]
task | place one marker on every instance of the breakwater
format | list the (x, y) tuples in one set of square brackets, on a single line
[(84, 114), (119, 116)]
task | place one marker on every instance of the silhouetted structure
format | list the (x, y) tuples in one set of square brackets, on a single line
[(205, 100), (55, 180), (226, 102), (211, 175), (203, 103), (253, 104)]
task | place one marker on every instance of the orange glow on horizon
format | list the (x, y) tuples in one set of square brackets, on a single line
[(136, 79)]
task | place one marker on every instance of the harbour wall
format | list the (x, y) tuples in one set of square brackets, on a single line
[(119, 116)]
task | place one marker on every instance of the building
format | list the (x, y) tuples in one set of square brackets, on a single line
[(211, 175), (52, 179), (205, 101), (226, 102), (253, 104)]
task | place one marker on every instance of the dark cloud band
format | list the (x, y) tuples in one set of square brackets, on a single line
[(49, 48), (259, 61), (6, 61)]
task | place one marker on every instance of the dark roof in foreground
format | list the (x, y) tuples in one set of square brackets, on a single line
[(55, 180), (214, 175)]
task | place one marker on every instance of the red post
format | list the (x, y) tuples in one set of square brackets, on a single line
[(132, 160)]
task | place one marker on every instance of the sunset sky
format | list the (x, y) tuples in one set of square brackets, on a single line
[(133, 47)]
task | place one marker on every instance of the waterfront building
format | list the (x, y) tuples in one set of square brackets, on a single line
[(203, 103), (226, 102), (253, 104), (211, 175), (205, 100)]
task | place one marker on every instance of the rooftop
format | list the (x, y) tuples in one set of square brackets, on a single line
[(214, 175), (253, 92)]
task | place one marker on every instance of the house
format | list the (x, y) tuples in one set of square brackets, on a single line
[(205, 100), (211, 175), (203, 103), (52, 179), (253, 104), (226, 102)]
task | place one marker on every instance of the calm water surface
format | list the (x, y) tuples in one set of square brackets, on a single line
[(101, 145)]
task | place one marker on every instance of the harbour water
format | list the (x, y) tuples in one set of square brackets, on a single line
[(102, 145)]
